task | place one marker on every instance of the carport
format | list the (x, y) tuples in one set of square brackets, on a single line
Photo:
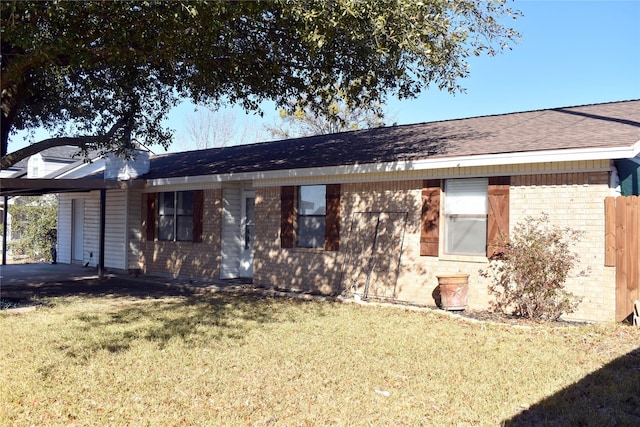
[(40, 273), (13, 187)]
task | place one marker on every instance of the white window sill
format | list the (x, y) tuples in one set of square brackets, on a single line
[(308, 250), (464, 258)]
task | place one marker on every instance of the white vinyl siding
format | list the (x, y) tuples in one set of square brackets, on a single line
[(134, 230), (64, 228), (49, 167), (115, 250), (231, 239), (77, 233), (92, 229)]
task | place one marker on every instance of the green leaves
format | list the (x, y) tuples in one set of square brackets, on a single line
[(87, 63), (32, 219)]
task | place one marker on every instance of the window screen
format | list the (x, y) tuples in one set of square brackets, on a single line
[(166, 216), (312, 208), (175, 216), (465, 212)]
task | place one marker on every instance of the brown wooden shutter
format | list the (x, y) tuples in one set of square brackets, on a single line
[(198, 212), (332, 227), (287, 216), (151, 216), (498, 215), (430, 220)]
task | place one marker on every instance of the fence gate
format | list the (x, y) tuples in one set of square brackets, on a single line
[(622, 237), (373, 253)]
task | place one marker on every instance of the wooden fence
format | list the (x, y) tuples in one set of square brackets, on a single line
[(622, 237)]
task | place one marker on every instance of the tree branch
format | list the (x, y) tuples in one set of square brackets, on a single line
[(77, 141)]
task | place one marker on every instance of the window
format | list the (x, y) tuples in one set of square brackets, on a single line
[(312, 208), (476, 216), (465, 216), (35, 164), (175, 216), (310, 217)]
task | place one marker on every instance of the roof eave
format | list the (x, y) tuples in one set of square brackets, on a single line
[(39, 186), (527, 157)]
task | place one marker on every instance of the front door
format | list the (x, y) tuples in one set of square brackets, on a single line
[(77, 225), (247, 223)]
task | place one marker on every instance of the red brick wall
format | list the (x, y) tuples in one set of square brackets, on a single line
[(188, 259), (570, 199), (573, 200)]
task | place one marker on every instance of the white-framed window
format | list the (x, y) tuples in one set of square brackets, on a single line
[(312, 209), (175, 216), (35, 165), (465, 216)]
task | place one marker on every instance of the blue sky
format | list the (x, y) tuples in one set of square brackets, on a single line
[(571, 53)]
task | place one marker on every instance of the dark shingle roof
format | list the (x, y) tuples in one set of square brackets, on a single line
[(67, 153), (609, 125), (63, 154)]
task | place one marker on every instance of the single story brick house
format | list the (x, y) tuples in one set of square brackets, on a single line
[(382, 211)]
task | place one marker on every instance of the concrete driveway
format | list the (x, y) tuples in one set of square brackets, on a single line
[(39, 273), (26, 284)]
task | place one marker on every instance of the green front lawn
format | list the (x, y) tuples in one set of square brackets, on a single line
[(247, 360)]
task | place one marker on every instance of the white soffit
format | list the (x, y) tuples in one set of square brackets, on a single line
[(518, 158)]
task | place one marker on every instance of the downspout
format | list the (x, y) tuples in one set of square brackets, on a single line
[(614, 180)]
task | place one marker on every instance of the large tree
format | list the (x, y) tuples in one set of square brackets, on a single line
[(339, 117), (97, 74)]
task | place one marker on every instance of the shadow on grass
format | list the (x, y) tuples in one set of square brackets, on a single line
[(609, 396), (168, 313), (38, 293), (193, 321)]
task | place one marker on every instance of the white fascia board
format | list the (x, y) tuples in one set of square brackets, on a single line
[(205, 181), (81, 169), (547, 156)]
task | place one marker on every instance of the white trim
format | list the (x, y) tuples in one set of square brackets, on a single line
[(503, 159), (79, 169), (471, 172), (182, 184)]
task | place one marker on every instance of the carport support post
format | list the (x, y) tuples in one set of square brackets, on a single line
[(103, 200), (5, 228)]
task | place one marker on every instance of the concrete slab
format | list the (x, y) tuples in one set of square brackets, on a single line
[(39, 273)]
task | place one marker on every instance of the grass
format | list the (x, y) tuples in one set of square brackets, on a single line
[(247, 360)]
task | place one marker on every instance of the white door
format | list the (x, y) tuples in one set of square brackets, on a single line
[(247, 212), (77, 233)]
